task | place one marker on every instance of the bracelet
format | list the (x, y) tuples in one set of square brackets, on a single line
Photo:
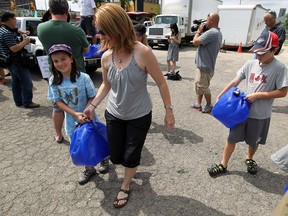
[(198, 33), (168, 107), (93, 105)]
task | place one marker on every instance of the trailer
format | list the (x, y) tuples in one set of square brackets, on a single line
[(241, 24), (181, 12)]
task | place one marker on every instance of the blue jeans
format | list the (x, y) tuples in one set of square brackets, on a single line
[(22, 86), (87, 25)]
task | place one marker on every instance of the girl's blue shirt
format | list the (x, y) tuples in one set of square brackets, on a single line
[(75, 95)]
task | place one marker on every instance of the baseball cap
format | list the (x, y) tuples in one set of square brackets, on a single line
[(140, 29), (60, 47), (265, 42)]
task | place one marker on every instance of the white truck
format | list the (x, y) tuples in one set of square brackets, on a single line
[(31, 24), (241, 24), (182, 12)]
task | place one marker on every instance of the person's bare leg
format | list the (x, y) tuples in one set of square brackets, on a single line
[(58, 119), (128, 175), (208, 99), (251, 151), (168, 66), (174, 66), (228, 150), (199, 99)]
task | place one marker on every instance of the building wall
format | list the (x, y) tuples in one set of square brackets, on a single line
[(152, 8)]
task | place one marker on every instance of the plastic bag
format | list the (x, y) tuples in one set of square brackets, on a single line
[(232, 108), (89, 144), (93, 51)]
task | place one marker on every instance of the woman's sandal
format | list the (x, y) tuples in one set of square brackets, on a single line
[(116, 201), (60, 140)]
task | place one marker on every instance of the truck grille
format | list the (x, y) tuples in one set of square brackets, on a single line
[(155, 31)]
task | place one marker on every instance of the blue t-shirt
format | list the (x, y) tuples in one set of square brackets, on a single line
[(75, 95)]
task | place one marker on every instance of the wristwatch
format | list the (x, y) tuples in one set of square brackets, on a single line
[(169, 107)]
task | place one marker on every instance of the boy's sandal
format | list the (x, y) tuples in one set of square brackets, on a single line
[(116, 201), (216, 169), (251, 166)]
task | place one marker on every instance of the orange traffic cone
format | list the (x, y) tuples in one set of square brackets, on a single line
[(240, 48)]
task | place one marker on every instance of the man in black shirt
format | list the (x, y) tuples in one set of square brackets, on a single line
[(276, 27)]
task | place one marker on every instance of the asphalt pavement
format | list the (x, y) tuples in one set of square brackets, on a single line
[(38, 178)]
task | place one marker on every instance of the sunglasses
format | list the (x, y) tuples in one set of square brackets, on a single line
[(101, 32), (273, 13)]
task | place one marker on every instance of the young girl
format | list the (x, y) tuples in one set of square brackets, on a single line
[(72, 91), (173, 49)]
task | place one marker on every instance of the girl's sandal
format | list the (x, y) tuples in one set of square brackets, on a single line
[(116, 201)]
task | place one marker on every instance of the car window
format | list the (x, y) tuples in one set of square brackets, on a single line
[(31, 25), (18, 24)]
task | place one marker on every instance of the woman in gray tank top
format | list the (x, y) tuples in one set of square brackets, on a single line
[(125, 68)]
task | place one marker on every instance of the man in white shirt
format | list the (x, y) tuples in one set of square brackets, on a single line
[(87, 14)]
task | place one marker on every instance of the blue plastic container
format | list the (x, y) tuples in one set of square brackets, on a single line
[(232, 108), (286, 189), (93, 51), (89, 144)]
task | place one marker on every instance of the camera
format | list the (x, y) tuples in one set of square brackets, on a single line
[(197, 23), (32, 40)]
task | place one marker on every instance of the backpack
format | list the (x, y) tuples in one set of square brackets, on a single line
[(174, 76)]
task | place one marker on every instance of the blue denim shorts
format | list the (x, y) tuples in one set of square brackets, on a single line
[(55, 107)]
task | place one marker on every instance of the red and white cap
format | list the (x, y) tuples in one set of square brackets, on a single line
[(265, 42)]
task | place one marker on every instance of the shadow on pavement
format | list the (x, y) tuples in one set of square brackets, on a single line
[(2, 97), (150, 202), (176, 135), (41, 112), (264, 180)]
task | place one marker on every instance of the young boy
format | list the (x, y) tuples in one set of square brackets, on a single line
[(266, 78)]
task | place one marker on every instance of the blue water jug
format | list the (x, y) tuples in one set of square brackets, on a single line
[(89, 144), (231, 108), (93, 51)]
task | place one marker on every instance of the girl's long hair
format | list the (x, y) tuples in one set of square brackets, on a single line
[(175, 27), (58, 77)]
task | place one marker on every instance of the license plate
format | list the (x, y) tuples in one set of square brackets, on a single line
[(155, 41)]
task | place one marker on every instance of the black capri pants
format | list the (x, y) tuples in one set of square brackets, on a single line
[(126, 138)]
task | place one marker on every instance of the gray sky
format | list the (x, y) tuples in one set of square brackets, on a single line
[(269, 4)]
